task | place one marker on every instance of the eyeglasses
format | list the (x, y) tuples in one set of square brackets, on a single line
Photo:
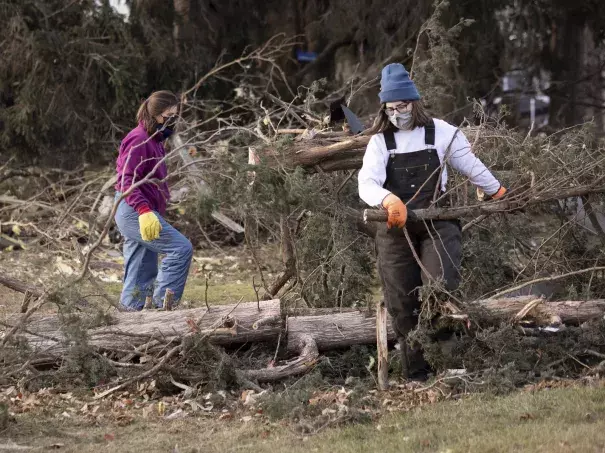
[(399, 108)]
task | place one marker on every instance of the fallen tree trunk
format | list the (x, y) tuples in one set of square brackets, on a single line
[(135, 334), (337, 330), (237, 324), (569, 312), (225, 325)]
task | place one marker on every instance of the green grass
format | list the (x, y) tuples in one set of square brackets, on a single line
[(549, 421), (562, 420), (219, 293)]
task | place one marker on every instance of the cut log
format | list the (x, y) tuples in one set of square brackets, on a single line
[(569, 312), (342, 154), (232, 325), (225, 324), (351, 148), (338, 330)]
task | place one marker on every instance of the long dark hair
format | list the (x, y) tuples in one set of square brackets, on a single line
[(153, 106), (420, 118)]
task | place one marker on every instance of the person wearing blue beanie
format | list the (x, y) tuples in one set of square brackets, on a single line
[(396, 85), (405, 166)]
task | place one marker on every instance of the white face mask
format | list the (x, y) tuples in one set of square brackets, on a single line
[(401, 120)]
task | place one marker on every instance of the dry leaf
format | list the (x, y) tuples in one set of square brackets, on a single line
[(177, 414), (371, 364), (194, 406), (64, 268), (9, 391), (245, 394)]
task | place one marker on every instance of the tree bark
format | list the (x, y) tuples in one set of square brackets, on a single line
[(492, 207), (225, 325), (306, 346), (569, 312), (338, 330), (382, 346), (20, 287), (231, 324), (340, 155)]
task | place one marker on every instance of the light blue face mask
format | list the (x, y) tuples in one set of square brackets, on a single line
[(401, 120)]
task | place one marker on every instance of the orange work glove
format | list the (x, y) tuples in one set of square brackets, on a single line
[(398, 213), (501, 192), (481, 196)]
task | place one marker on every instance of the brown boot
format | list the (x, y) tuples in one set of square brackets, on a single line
[(403, 357), (413, 365)]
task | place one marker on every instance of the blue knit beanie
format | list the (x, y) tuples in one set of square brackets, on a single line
[(395, 85)]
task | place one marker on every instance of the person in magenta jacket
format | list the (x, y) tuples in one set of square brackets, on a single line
[(142, 172)]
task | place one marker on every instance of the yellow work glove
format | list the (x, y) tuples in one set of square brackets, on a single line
[(150, 226), (397, 212)]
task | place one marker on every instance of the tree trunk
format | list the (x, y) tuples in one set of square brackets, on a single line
[(225, 324), (231, 324), (569, 312), (338, 330), (344, 154)]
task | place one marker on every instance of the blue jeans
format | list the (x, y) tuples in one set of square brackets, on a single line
[(141, 276)]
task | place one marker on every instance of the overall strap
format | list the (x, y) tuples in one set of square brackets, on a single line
[(429, 133), (389, 139)]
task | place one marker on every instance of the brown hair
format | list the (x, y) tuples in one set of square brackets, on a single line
[(420, 118), (153, 106)]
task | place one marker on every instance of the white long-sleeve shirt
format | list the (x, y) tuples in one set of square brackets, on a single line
[(372, 175)]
